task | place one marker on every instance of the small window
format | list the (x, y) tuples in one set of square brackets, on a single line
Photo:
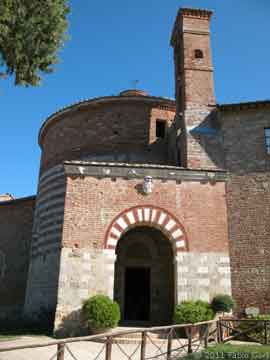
[(198, 54), (267, 139), (160, 129)]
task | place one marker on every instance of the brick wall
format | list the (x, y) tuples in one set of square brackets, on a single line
[(91, 204), (244, 142), (248, 198), (16, 221), (120, 130)]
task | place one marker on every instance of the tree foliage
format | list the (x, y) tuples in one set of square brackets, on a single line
[(31, 33)]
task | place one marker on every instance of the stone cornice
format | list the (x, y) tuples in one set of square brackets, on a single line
[(191, 13), (200, 68), (197, 13), (139, 171), (244, 106)]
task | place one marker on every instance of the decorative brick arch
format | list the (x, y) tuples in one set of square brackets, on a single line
[(149, 216)]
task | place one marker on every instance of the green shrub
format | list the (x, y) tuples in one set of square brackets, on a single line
[(101, 312), (257, 334), (222, 303), (192, 312)]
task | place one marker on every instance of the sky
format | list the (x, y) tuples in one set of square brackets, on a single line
[(113, 43)]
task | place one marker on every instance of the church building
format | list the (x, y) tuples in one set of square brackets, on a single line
[(146, 199)]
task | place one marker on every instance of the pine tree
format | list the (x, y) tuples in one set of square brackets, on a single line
[(31, 33)]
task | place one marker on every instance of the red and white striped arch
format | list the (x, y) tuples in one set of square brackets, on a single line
[(148, 216)]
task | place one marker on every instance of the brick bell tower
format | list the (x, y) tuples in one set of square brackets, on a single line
[(194, 87)]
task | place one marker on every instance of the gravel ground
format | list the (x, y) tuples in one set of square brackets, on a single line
[(80, 350)]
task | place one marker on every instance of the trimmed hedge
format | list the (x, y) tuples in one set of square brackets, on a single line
[(193, 312), (101, 312), (222, 303)]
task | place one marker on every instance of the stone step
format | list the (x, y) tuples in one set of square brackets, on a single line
[(135, 337)]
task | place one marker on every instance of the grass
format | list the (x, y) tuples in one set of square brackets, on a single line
[(232, 352), (245, 349), (13, 333), (7, 337)]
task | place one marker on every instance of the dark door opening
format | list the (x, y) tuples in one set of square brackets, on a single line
[(137, 294)]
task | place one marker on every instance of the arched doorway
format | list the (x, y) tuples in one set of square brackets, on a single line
[(144, 277)]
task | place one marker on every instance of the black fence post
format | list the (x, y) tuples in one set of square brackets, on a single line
[(60, 351), (143, 345), (220, 331), (265, 332), (169, 345), (108, 355), (190, 339), (206, 335)]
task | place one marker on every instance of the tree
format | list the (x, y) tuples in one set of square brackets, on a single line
[(31, 33)]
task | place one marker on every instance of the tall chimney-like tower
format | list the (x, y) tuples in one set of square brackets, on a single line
[(194, 87)]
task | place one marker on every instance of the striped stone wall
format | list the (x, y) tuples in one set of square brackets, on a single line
[(42, 286)]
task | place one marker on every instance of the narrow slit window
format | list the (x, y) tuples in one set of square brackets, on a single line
[(267, 139), (198, 54), (160, 129)]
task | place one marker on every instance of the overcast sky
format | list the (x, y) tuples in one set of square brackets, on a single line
[(113, 43)]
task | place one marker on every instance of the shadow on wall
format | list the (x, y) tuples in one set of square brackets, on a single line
[(72, 325), (41, 324), (206, 136)]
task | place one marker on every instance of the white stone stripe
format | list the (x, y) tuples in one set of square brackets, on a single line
[(161, 219), (170, 225), (52, 188), (44, 198), (112, 242), (121, 222), (50, 178), (177, 233), (52, 170), (44, 229), (154, 212), (53, 219), (180, 244), (53, 212), (146, 214), (130, 217), (140, 214), (55, 202), (115, 232)]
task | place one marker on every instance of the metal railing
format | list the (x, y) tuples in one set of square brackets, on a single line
[(251, 330), (165, 342)]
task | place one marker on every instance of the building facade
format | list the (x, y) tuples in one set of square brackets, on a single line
[(149, 200)]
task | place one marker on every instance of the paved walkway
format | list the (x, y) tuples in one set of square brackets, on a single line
[(80, 350)]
